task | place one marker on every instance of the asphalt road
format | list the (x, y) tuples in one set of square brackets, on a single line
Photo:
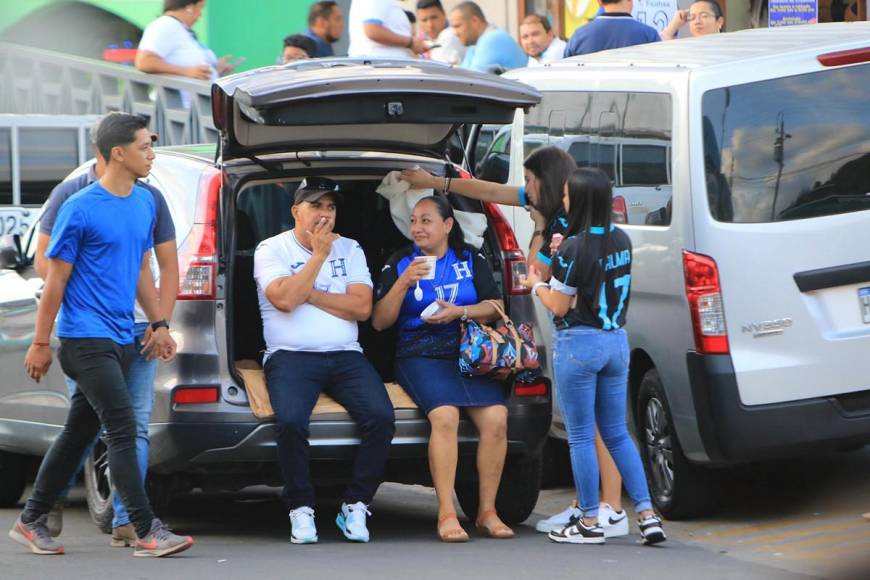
[(790, 520)]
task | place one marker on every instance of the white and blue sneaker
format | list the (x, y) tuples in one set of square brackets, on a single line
[(351, 520), (614, 524), (302, 528), (558, 521)]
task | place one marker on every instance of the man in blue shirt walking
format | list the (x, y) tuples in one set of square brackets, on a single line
[(490, 49), (99, 263), (615, 28)]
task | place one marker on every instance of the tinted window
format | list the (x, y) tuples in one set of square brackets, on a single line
[(626, 135), (5, 167), (790, 148), (47, 156)]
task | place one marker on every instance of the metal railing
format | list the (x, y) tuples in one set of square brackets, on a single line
[(53, 83)]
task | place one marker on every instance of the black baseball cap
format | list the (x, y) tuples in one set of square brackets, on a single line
[(313, 188)]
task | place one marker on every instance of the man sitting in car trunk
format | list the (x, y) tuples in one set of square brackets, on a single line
[(313, 286)]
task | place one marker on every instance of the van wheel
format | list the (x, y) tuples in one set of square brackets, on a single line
[(678, 488), (517, 492), (98, 487), (13, 478)]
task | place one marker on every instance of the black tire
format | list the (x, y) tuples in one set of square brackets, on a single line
[(13, 478), (517, 492), (98, 488), (679, 489), (556, 461)]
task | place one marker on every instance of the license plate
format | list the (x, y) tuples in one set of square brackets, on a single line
[(864, 302)]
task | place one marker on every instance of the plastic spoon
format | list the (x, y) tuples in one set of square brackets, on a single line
[(418, 292)]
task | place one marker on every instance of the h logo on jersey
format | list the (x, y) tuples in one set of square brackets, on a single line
[(462, 270), (338, 264)]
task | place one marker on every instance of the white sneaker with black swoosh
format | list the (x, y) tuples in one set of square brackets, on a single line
[(651, 529), (578, 533), (614, 524)]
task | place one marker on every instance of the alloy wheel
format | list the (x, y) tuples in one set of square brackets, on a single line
[(659, 448)]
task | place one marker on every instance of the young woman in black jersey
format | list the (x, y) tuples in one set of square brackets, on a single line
[(545, 172), (588, 295)]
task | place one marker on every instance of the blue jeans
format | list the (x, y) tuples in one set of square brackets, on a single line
[(591, 370), (140, 385), (295, 381)]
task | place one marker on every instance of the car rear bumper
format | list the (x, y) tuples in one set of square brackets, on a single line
[(735, 433), (182, 446)]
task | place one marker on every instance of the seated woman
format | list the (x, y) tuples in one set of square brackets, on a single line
[(428, 349)]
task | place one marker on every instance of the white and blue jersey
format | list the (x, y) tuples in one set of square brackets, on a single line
[(602, 285), (463, 281)]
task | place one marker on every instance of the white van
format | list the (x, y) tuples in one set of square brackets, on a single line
[(749, 212)]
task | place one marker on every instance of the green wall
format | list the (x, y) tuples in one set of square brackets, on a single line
[(234, 27), (227, 26)]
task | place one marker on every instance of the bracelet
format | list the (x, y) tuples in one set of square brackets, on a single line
[(410, 42), (537, 285), (40, 343), (155, 326), (537, 233)]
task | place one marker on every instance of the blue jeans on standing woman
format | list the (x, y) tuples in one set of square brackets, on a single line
[(591, 369), (140, 385)]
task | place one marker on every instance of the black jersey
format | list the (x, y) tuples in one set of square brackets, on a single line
[(601, 285)]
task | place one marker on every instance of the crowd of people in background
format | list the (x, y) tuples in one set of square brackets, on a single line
[(461, 36)]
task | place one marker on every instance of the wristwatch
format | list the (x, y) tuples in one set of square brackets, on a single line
[(464, 314), (159, 324)]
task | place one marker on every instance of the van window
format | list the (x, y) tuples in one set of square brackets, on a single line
[(5, 167), (46, 155), (790, 148), (626, 135)]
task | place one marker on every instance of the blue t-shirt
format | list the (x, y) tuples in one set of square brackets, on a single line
[(323, 48), (463, 282), (495, 48), (104, 237), (164, 229), (610, 30)]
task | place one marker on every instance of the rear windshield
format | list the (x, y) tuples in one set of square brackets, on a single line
[(790, 148)]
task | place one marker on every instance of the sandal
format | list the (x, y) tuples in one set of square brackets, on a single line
[(498, 532), (453, 536)]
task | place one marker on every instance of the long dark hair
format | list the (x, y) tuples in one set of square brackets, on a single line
[(590, 196), (456, 237), (551, 166)]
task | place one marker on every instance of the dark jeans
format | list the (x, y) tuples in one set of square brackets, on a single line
[(98, 366), (295, 381)]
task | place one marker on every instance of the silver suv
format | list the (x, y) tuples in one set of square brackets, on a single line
[(354, 122)]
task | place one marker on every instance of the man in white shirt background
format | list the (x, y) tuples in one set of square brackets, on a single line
[(432, 23), (380, 28), (313, 287), (539, 41)]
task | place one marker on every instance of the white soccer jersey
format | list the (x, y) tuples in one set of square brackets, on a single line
[(308, 328)]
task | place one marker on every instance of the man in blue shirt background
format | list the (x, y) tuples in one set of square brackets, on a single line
[(99, 263), (325, 25), (615, 28), (490, 49)]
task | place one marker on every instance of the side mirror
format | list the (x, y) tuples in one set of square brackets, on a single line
[(10, 252)]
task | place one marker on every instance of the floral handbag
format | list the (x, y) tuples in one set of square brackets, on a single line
[(498, 351)]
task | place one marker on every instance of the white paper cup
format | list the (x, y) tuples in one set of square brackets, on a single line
[(431, 260)]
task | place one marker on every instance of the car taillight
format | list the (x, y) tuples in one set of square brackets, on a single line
[(620, 212), (515, 265), (196, 395), (197, 256), (537, 389), (705, 303)]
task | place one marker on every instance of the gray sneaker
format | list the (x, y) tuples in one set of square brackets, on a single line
[(55, 518), (160, 542), (36, 536)]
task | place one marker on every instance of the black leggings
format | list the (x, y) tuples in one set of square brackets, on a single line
[(98, 366)]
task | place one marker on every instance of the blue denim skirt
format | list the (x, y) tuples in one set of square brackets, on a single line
[(435, 382)]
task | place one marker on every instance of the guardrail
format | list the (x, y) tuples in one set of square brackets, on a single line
[(53, 83)]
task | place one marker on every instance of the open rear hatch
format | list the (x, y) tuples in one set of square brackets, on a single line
[(355, 104)]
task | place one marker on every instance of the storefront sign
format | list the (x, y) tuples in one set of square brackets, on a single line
[(792, 12)]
